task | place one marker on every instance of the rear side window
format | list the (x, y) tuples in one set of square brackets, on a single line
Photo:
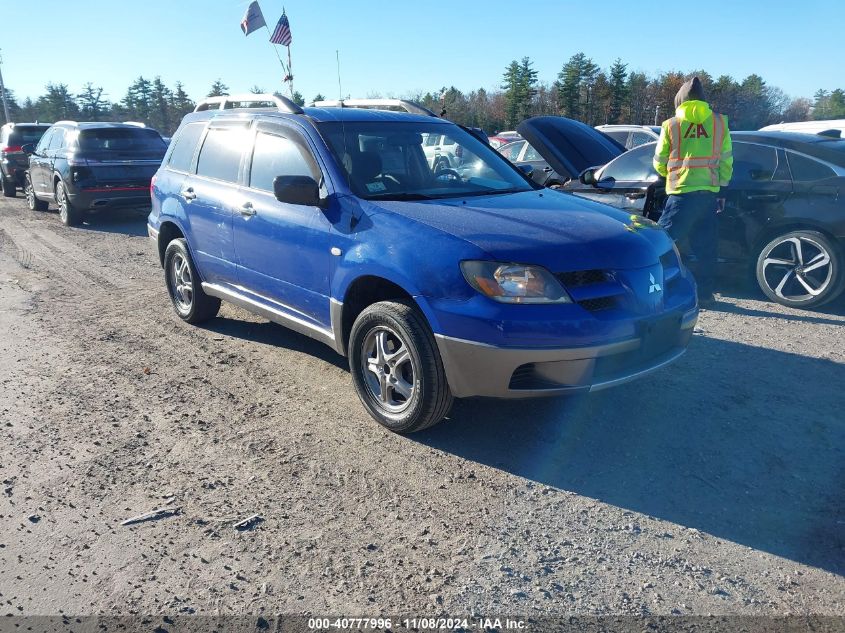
[(806, 169), (44, 143), (640, 138), (184, 147), (754, 162), (620, 136), (277, 156), (58, 138), (220, 156)]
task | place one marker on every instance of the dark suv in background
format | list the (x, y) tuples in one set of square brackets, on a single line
[(92, 167), (13, 161)]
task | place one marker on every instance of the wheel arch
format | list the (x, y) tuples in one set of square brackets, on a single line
[(167, 232), (363, 292)]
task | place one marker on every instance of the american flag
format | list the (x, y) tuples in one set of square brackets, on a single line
[(281, 35)]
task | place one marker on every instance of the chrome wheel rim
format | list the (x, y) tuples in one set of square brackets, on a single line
[(29, 192), (61, 199), (797, 269), (388, 369), (181, 282)]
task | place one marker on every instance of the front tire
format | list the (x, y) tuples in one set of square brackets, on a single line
[(9, 187), (183, 283), (32, 201), (800, 269), (68, 214), (397, 369)]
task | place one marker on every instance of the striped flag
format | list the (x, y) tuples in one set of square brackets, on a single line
[(281, 35), (253, 19)]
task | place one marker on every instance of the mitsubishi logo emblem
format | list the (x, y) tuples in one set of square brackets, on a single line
[(654, 287)]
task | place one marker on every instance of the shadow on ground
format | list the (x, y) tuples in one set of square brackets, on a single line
[(745, 443), (125, 222)]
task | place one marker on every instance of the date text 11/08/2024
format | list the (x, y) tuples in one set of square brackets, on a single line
[(416, 623)]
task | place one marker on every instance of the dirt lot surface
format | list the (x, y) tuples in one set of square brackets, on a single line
[(716, 486)]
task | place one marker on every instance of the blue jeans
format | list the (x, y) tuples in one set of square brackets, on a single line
[(690, 218)]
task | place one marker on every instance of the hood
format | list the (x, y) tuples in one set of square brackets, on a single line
[(691, 90), (556, 230), (695, 111), (569, 146)]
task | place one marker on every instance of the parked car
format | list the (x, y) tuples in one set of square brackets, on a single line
[(830, 126), (784, 220), (92, 167), (499, 140), (332, 222), (585, 147), (13, 160), (630, 136)]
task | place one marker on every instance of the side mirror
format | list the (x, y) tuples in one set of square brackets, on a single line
[(588, 176), (28, 149), (302, 190), (526, 169)]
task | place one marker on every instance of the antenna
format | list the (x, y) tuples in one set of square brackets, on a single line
[(339, 88)]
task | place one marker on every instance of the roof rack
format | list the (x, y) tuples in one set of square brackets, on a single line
[(282, 104), (833, 133), (376, 104)]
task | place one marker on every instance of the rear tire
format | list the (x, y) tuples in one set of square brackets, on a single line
[(396, 367), (68, 214), (183, 283), (9, 187), (32, 202), (800, 269)]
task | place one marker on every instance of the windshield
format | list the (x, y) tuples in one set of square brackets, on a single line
[(123, 140), (414, 160)]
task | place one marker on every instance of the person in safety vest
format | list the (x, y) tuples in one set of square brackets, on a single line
[(694, 155)]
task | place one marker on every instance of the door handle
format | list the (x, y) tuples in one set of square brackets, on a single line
[(762, 196), (635, 195), (188, 194), (547, 170), (247, 209)]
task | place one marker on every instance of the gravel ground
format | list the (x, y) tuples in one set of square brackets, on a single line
[(713, 487)]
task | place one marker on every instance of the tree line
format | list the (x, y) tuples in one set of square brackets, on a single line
[(582, 90)]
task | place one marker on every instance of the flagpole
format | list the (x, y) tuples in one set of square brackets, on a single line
[(290, 72), (276, 50)]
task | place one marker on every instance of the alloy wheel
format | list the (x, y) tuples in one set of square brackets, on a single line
[(797, 268), (182, 282), (29, 192), (388, 369)]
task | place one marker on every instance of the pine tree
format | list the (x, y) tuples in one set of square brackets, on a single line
[(92, 106), (218, 89), (520, 81), (618, 90)]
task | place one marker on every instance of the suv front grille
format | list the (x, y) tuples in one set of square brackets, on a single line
[(593, 290)]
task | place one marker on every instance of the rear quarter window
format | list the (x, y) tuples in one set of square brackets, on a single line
[(806, 169), (184, 147)]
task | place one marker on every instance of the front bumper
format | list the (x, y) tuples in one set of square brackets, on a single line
[(477, 369)]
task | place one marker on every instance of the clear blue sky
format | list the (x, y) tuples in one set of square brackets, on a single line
[(400, 47)]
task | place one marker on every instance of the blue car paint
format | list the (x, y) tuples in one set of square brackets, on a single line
[(418, 245)]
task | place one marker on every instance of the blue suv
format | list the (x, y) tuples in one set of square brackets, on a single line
[(435, 282)]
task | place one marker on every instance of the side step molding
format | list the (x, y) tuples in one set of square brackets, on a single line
[(277, 316)]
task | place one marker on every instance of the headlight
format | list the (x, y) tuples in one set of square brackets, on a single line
[(514, 283)]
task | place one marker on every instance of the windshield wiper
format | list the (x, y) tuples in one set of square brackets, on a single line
[(493, 192), (404, 195)]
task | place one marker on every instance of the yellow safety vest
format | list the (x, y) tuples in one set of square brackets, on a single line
[(694, 152)]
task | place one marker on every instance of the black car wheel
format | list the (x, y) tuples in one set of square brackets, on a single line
[(183, 283), (9, 187), (396, 367), (801, 269), (31, 200), (68, 214)]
